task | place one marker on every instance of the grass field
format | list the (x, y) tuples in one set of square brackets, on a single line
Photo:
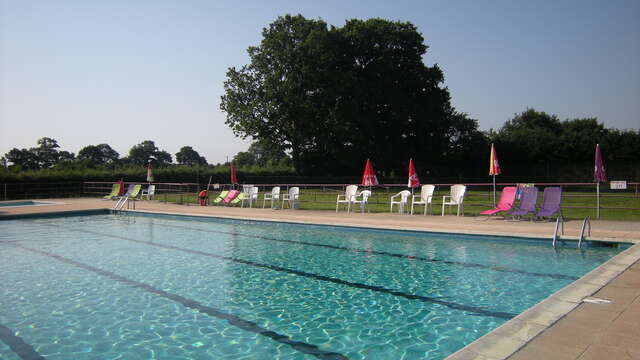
[(575, 205)]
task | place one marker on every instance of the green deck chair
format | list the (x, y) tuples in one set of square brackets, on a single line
[(238, 198), (136, 191), (221, 196), (115, 190)]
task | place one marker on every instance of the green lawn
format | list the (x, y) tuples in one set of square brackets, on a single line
[(475, 201)]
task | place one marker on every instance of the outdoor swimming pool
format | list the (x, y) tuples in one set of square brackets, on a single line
[(169, 287)]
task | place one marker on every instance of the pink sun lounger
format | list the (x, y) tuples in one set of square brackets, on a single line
[(230, 196), (507, 198)]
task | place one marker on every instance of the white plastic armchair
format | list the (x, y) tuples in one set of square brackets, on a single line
[(251, 195), (362, 199), (348, 197), (456, 199), (291, 197), (425, 198), (401, 199), (274, 195), (151, 190)]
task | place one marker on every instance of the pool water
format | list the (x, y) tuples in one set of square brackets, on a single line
[(24, 203), (164, 287)]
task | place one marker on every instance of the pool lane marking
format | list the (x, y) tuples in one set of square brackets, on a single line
[(376, 252), (468, 308), (234, 320), (21, 348)]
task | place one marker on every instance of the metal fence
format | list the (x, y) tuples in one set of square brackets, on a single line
[(578, 197)]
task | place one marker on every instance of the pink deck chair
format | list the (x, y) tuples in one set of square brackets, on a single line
[(507, 198), (230, 196)]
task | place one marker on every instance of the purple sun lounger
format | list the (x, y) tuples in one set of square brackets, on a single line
[(507, 198), (551, 202), (528, 200)]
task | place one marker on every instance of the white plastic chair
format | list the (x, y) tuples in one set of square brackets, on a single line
[(273, 195), (456, 198), (251, 195), (348, 197), (425, 198), (362, 199), (402, 201), (151, 190), (291, 198)]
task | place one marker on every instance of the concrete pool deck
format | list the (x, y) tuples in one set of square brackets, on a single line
[(596, 317)]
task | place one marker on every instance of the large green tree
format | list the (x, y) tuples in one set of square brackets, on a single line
[(101, 154), (140, 154), (43, 156), (332, 97), (188, 156)]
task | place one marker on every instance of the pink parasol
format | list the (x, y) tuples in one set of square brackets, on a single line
[(599, 174)]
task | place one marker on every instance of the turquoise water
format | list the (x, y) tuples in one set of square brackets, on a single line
[(160, 287), (23, 203)]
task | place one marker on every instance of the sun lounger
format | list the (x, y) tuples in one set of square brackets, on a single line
[(231, 196), (551, 202), (220, 197), (507, 198), (528, 200), (115, 190)]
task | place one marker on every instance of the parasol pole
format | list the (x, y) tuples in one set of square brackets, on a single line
[(494, 191), (598, 199)]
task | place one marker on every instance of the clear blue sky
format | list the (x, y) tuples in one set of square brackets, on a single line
[(120, 72)]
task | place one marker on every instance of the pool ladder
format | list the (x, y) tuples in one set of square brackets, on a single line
[(560, 225), (585, 222), (121, 203)]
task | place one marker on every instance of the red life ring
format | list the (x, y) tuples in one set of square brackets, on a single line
[(202, 197)]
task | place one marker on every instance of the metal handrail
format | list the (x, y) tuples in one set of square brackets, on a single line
[(559, 223), (121, 202), (585, 222)]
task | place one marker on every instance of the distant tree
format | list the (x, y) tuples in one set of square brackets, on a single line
[(101, 154), (579, 138), (141, 153), (23, 158), (44, 156), (531, 136), (262, 153), (188, 156)]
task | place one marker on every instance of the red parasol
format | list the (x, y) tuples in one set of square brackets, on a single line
[(413, 176), (234, 176), (369, 177)]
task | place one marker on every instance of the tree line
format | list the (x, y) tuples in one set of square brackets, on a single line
[(47, 155)]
